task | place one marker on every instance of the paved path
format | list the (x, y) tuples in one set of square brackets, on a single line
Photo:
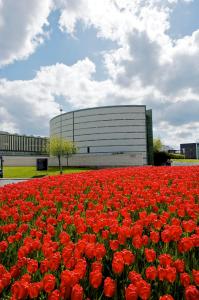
[(180, 163), (10, 180)]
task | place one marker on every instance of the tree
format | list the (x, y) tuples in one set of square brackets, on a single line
[(157, 145), (60, 147)]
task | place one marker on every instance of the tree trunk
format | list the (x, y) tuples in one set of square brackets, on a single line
[(59, 160)]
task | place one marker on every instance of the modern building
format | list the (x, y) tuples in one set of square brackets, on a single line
[(22, 145), (190, 150), (108, 130)]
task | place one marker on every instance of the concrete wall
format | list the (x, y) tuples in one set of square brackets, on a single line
[(105, 160), (20, 161), (105, 130), (92, 160)]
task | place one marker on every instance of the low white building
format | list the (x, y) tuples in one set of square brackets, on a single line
[(22, 145)]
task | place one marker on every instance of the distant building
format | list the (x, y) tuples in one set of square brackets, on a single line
[(170, 149), (106, 131), (190, 150), (174, 151), (166, 148), (14, 144)]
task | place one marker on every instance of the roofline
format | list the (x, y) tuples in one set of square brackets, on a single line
[(24, 135), (97, 107), (194, 143)]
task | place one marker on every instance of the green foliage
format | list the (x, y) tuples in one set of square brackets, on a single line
[(60, 146), (157, 145), (186, 160), (176, 155)]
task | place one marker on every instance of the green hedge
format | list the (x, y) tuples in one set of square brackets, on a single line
[(176, 156)]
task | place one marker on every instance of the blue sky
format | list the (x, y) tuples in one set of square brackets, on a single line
[(61, 47), (81, 53), (184, 19)]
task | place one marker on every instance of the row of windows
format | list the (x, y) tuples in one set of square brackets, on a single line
[(10, 142)]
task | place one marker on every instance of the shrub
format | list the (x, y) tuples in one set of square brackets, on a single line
[(176, 156)]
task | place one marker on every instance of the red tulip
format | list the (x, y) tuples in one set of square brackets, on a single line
[(77, 292), (191, 293), (109, 287), (195, 274), (185, 279), (151, 273), (166, 297), (48, 283), (95, 279), (150, 255), (131, 292)]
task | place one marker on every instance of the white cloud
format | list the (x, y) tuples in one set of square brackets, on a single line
[(21, 27), (172, 70), (22, 23), (27, 103), (148, 67), (111, 18)]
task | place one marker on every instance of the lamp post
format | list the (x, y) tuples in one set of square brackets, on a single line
[(1, 158), (1, 166), (60, 109)]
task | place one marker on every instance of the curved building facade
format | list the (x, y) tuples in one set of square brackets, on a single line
[(107, 130)]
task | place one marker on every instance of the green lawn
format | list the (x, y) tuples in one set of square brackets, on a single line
[(30, 172), (186, 160)]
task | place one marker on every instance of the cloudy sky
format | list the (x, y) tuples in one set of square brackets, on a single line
[(86, 53)]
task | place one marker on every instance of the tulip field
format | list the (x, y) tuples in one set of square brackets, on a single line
[(125, 233)]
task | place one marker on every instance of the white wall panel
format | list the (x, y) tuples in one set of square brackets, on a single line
[(113, 109), (107, 136), (108, 130), (118, 142), (57, 131), (66, 135), (65, 118), (64, 123), (129, 159), (103, 117), (108, 123), (119, 148)]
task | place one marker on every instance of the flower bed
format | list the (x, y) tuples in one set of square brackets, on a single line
[(127, 233)]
